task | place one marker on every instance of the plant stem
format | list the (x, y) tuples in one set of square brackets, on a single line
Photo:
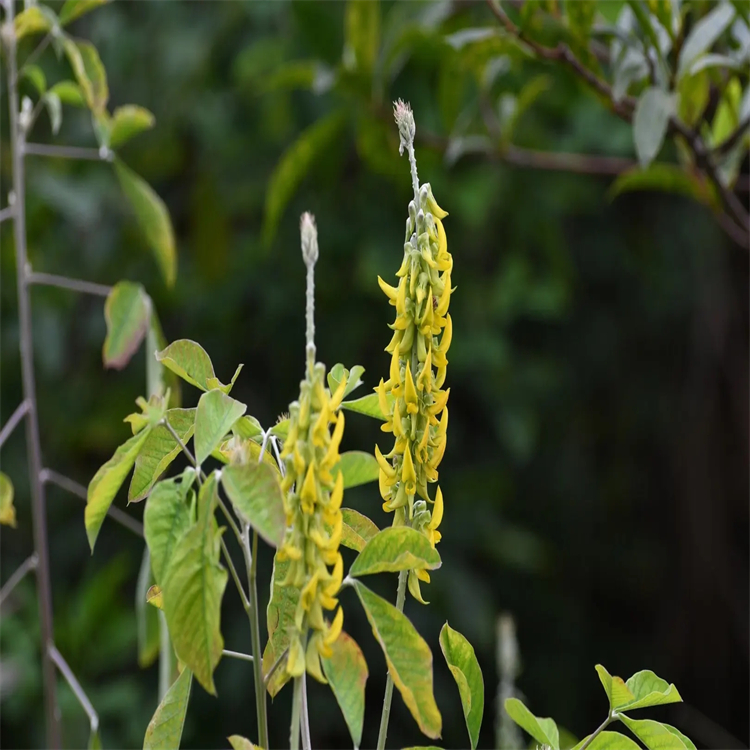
[(386, 715), (56, 657), (305, 717), (20, 412), (612, 716), (165, 657), (296, 709), (20, 573), (64, 152), (75, 285), (237, 655), (44, 590)]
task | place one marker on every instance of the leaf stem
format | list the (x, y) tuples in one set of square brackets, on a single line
[(75, 285), (75, 686), (20, 412), (296, 709), (66, 152), (612, 716), (20, 573), (237, 655), (304, 716)]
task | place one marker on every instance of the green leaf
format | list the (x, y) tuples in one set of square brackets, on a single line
[(281, 429), (542, 730), (650, 690), (189, 360), (69, 93), (668, 178), (72, 9), (241, 743), (89, 72), (703, 35), (609, 741), (393, 549), (159, 451), (35, 76), (280, 619), (127, 312), (689, 744), (339, 372), (193, 587), (7, 509), (164, 731), (95, 741), (362, 35), (248, 427), (214, 418), (357, 529), (652, 113), (294, 165), (256, 495), (462, 662), (652, 734), (357, 467), (153, 218), (33, 20), (54, 108), (693, 91), (166, 519), (147, 618), (367, 405), (127, 122), (158, 378), (617, 691), (103, 487), (408, 657), (346, 672)]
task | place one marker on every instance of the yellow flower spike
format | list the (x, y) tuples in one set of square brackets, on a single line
[(410, 392), (385, 467), (408, 475), (337, 495), (334, 631), (309, 494), (390, 291), (437, 511)]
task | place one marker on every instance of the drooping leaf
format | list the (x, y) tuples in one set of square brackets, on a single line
[(652, 734), (617, 691), (357, 467), (668, 178), (69, 93), (89, 72), (127, 312), (166, 519), (103, 487), (153, 218), (393, 549), (703, 35), (609, 741), (164, 731), (214, 417), (652, 112), (189, 360), (193, 587), (462, 662), (362, 35), (159, 451), (36, 76), (294, 165), (367, 405), (32, 20), (279, 618), (256, 495), (127, 122), (72, 9), (543, 730), (7, 509), (357, 529), (353, 377), (346, 672), (147, 618), (241, 743), (650, 690)]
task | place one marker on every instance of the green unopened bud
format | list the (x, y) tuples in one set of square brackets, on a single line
[(407, 128), (309, 235)]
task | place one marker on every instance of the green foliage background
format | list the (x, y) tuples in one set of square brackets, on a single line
[(596, 474)]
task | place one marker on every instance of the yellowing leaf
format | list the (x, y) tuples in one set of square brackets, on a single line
[(241, 743), (153, 218), (33, 20), (617, 691), (129, 121), (357, 529), (542, 730), (279, 618), (214, 417), (189, 360), (408, 657), (89, 72), (357, 467), (7, 509), (164, 731), (393, 549), (154, 597), (652, 734), (126, 312)]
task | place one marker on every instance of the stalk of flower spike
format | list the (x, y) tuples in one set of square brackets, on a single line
[(313, 500), (417, 414)]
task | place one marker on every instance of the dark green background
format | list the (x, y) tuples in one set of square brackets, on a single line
[(596, 476)]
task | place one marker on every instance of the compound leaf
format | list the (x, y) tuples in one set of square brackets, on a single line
[(394, 549), (214, 417)]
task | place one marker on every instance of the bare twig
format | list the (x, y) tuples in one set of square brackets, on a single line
[(38, 50), (66, 152), (237, 655), (75, 686), (63, 282), (25, 567), (20, 412)]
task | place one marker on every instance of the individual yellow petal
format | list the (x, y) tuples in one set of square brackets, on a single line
[(337, 575), (335, 628), (337, 494), (384, 485), (440, 376), (425, 376), (332, 454), (385, 467), (335, 540), (312, 661), (437, 511), (401, 298), (295, 663), (445, 341), (308, 592), (414, 587), (389, 291), (408, 474), (423, 575), (445, 297), (309, 494), (338, 395), (382, 399), (395, 373), (441, 399), (432, 205), (441, 238), (410, 392), (320, 429), (395, 341)]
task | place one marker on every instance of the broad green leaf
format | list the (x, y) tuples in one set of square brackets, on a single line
[(367, 405), (166, 519), (164, 731), (294, 165), (357, 467), (127, 122), (617, 691), (650, 120), (103, 487), (393, 549), (214, 417), (72, 9), (7, 509), (153, 218), (362, 35), (147, 618), (241, 743), (650, 690), (408, 657), (159, 379), (193, 587), (346, 672), (357, 529), (256, 495), (248, 427), (127, 312), (69, 93), (33, 20), (189, 360), (689, 744), (36, 77), (463, 664), (542, 730), (279, 618), (159, 451), (89, 72), (703, 35), (668, 178), (609, 741), (652, 734), (339, 372)]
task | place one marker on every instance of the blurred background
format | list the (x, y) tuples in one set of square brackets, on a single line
[(596, 476)]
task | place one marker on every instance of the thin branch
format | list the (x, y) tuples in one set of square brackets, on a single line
[(53, 477), (25, 567), (6, 213), (63, 282), (38, 50), (182, 445), (276, 665), (235, 576), (66, 152), (75, 686), (729, 143), (230, 519), (304, 718), (20, 412), (237, 655)]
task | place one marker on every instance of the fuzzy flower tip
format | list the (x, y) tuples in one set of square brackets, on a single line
[(413, 398), (314, 521)]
